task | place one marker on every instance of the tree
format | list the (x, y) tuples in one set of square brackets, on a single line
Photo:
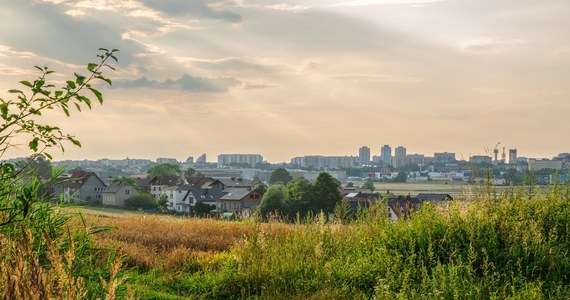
[(165, 170), (36, 166), (202, 209), (368, 184), (21, 121), (301, 196), (327, 193), (142, 201), (273, 200), (280, 175), (401, 177)]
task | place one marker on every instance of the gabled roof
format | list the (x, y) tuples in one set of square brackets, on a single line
[(434, 196), (115, 187), (205, 195), (77, 179), (199, 181), (236, 194), (165, 180), (236, 183)]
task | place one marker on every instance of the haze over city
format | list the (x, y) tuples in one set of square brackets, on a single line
[(292, 78)]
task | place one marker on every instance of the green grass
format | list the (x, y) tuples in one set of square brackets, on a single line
[(496, 247)]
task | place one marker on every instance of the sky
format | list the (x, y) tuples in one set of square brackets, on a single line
[(302, 77)]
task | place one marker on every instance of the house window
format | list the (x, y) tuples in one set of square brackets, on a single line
[(160, 188), (127, 192), (171, 196), (97, 196), (154, 188), (256, 196)]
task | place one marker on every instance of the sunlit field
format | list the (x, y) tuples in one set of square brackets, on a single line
[(500, 245)]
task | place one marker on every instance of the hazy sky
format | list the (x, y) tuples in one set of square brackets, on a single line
[(290, 78)]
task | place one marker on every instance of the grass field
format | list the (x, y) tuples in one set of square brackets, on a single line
[(498, 246)]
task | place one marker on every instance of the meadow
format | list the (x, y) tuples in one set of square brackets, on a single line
[(508, 245)]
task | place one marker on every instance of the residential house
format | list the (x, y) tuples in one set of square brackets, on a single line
[(176, 195), (82, 185), (234, 183), (202, 182), (430, 197), (362, 199), (402, 207), (239, 200), (158, 183), (206, 196), (117, 193)]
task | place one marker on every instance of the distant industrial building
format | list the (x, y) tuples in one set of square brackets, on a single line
[(363, 156), (229, 159)]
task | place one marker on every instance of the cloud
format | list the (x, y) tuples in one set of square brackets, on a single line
[(484, 45), (377, 2), (196, 8), (184, 83), (235, 64)]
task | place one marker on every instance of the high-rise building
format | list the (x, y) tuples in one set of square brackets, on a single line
[(444, 157), (512, 156), (201, 159), (386, 154), (400, 151), (250, 159), (363, 156)]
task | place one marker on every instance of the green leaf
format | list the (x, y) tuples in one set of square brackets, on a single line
[(71, 85), (75, 142), (103, 49), (79, 79), (26, 83), (66, 111), (91, 67), (97, 94), (34, 144), (48, 156), (4, 110), (15, 92), (77, 106), (58, 94)]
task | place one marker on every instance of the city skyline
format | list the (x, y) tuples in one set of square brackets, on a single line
[(302, 77)]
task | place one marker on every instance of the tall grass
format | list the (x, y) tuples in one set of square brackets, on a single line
[(510, 245)]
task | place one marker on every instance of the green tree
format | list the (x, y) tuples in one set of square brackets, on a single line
[(36, 165), (142, 201), (368, 184), (165, 170), (326, 193), (21, 120), (280, 175), (274, 200), (161, 202), (301, 195), (202, 209), (401, 177)]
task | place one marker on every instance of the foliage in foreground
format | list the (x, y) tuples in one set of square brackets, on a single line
[(503, 247)]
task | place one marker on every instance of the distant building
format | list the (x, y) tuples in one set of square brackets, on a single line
[(164, 160), (444, 157), (400, 151), (249, 159), (319, 162), (239, 200), (190, 160), (512, 156), (540, 164), (201, 159), (363, 156), (480, 159), (386, 154)]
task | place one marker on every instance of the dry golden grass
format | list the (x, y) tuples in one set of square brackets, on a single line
[(23, 276), (172, 243)]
